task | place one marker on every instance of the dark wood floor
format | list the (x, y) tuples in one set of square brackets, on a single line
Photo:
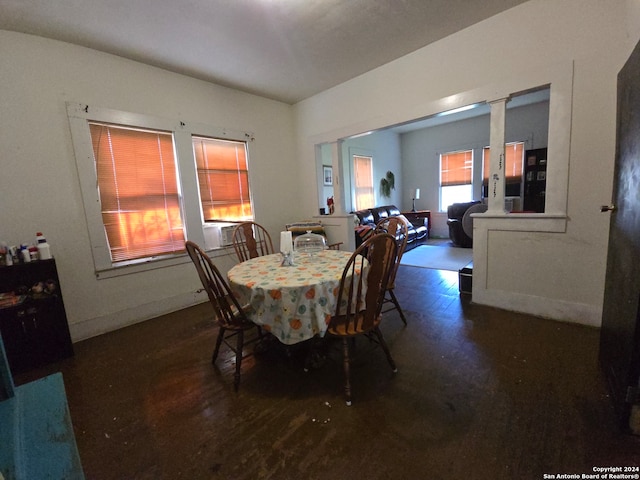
[(480, 393)]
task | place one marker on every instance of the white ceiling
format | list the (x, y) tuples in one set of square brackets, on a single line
[(286, 50)]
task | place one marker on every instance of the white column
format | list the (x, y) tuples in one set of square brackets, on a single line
[(497, 159), (338, 188)]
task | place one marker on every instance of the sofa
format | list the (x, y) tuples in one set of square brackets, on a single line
[(455, 213), (368, 218)]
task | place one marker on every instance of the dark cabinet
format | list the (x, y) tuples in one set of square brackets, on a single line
[(535, 180), (34, 324)]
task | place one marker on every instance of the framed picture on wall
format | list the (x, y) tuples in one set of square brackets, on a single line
[(327, 175)]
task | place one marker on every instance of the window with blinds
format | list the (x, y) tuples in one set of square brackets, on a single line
[(456, 176), (363, 175), (223, 179), (138, 191), (456, 168), (514, 158)]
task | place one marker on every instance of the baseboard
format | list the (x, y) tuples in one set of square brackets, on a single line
[(140, 313), (553, 309)]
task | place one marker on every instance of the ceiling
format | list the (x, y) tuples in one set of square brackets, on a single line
[(286, 50)]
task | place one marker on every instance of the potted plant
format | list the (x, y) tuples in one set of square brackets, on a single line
[(387, 184)]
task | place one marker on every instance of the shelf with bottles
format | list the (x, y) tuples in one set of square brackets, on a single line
[(33, 319)]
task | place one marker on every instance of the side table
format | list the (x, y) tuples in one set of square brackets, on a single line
[(418, 218)]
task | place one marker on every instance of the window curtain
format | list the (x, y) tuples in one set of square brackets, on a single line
[(139, 196), (223, 179)]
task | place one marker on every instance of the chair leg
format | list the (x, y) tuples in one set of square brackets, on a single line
[(219, 340), (385, 347), (397, 304), (347, 374), (239, 353)]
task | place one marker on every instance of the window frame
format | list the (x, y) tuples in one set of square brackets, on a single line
[(368, 189), (125, 194), (201, 171), (469, 184), (79, 116)]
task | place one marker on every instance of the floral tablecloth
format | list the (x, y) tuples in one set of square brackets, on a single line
[(294, 303)]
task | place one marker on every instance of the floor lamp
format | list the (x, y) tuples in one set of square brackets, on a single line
[(416, 196)]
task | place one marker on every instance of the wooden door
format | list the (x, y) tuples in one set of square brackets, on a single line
[(620, 333)]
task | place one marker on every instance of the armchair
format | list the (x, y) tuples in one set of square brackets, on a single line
[(455, 213)]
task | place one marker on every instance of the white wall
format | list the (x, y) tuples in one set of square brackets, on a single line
[(39, 182), (384, 148), (326, 191), (561, 274)]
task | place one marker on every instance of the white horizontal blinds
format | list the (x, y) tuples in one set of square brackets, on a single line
[(139, 196), (363, 173), (514, 158), (223, 179), (456, 168)]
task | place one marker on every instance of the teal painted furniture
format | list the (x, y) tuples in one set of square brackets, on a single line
[(36, 434)]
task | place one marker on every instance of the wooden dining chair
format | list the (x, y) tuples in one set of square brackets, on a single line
[(231, 317), (398, 226), (251, 240), (360, 298)]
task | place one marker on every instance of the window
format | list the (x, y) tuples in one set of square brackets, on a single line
[(514, 158), (149, 183), (363, 175), (223, 179), (139, 196), (456, 170)]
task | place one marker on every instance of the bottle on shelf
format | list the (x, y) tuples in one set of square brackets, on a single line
[(15, 253), (44, 249), (24, 253)]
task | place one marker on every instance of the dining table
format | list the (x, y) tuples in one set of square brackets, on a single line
[(293, 302)]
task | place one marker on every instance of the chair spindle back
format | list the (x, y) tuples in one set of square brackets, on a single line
[(359, 311), (397, 226), (224, 303), (251, 240)]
